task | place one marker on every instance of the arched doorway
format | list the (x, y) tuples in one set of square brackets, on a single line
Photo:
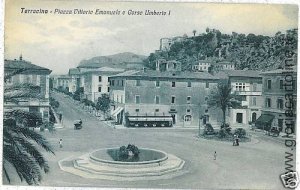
[(253, 117)]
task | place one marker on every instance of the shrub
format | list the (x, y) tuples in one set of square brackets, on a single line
[(222, 133), (240, 132), (226, 127), (208, 129)]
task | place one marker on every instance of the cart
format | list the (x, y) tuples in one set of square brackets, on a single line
[(77, 124)]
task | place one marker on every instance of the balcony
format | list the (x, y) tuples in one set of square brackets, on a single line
[(248, 93)]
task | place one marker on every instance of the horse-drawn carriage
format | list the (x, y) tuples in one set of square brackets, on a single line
[(78, 124)]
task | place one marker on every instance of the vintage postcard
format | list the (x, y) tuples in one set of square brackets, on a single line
[(164, 95)]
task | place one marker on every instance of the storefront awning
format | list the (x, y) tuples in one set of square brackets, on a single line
[(265, 119), (150, 119), (117, 111)]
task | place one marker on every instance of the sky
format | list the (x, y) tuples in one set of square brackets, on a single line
[(61, 41)]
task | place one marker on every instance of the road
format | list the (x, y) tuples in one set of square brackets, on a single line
[(253, 165)]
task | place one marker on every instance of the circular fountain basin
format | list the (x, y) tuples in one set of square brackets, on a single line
[(146, 156)]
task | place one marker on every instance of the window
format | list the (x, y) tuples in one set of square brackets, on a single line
[(188, 100), (189, 84), (281, 84), (112, 82), (254, 87), (173, 100), (240, 86), (137, 110), (99, 89), (137, 99), (206, 111), (279, 103), (188, 111), (138, 83), (173, 84), (108, 89), (157, 99), (156, 110), (99, 78), (268, 102), (269, 84), (207, 85), (254, 101), (122, 83), (157, 83)]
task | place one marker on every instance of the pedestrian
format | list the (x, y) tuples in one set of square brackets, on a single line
[(60, 117), (234, 140), (237, 141), (60, 143), (215, 155)]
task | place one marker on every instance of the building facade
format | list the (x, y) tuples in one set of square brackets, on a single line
[(31, 74), (96, 82), (247, 86), (279, 96), (179, 97)]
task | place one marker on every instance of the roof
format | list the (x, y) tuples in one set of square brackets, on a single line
[(223, 63), (280, 71), (239, 73), (22, 64), (167, 74), (104, 70), (265, 119), (74, 71)]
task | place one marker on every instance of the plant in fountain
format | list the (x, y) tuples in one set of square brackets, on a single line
[(129, 153)]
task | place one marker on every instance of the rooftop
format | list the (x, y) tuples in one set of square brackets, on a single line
[(239, 73), (104, 70), (22, 64), (167, 74), (74, 71)]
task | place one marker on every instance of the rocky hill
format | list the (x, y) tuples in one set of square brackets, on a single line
[(124, 60), (255, 52)]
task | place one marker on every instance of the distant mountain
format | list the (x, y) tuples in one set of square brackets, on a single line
[(124, 60)]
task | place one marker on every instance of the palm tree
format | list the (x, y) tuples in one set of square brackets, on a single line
[(223, 98), (20, 148)]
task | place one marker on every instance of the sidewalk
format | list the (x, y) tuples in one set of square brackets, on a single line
[(280, 139)]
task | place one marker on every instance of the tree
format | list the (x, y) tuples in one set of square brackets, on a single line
[(194, 32), (20, 148), (103, 104), (222, 98)]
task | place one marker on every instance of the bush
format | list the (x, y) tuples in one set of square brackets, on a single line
[(208, 129), (240, 132), (124, 151), (226, 127)]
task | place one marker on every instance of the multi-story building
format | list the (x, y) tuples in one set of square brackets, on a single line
[(31, 74), (279, 95), (62, 82), (154, 96), (96, 82), (212, 66), (74, 74), (247, 86)]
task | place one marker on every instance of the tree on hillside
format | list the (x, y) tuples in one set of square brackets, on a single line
[(222, 98), (194, 32), (103, 104), (21, 145)]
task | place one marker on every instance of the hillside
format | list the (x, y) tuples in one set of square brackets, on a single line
[(254, 52), (124, 60)]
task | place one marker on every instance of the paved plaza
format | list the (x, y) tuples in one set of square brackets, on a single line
[(253, 165)]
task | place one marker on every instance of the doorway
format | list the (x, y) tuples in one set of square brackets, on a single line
[(253, 117), (173, 118), (239, 117)]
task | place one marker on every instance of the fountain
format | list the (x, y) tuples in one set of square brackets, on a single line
[(110, 164)]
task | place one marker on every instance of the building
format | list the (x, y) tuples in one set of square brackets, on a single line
[(62, 82), (279, 95), (163, 65), (96, 82), (202, 66), (247, 86), (166, 43), (31, 74), (162, 98), (74, 74)]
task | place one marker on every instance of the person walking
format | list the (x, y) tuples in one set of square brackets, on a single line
[(60, 143), (215, 155)]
